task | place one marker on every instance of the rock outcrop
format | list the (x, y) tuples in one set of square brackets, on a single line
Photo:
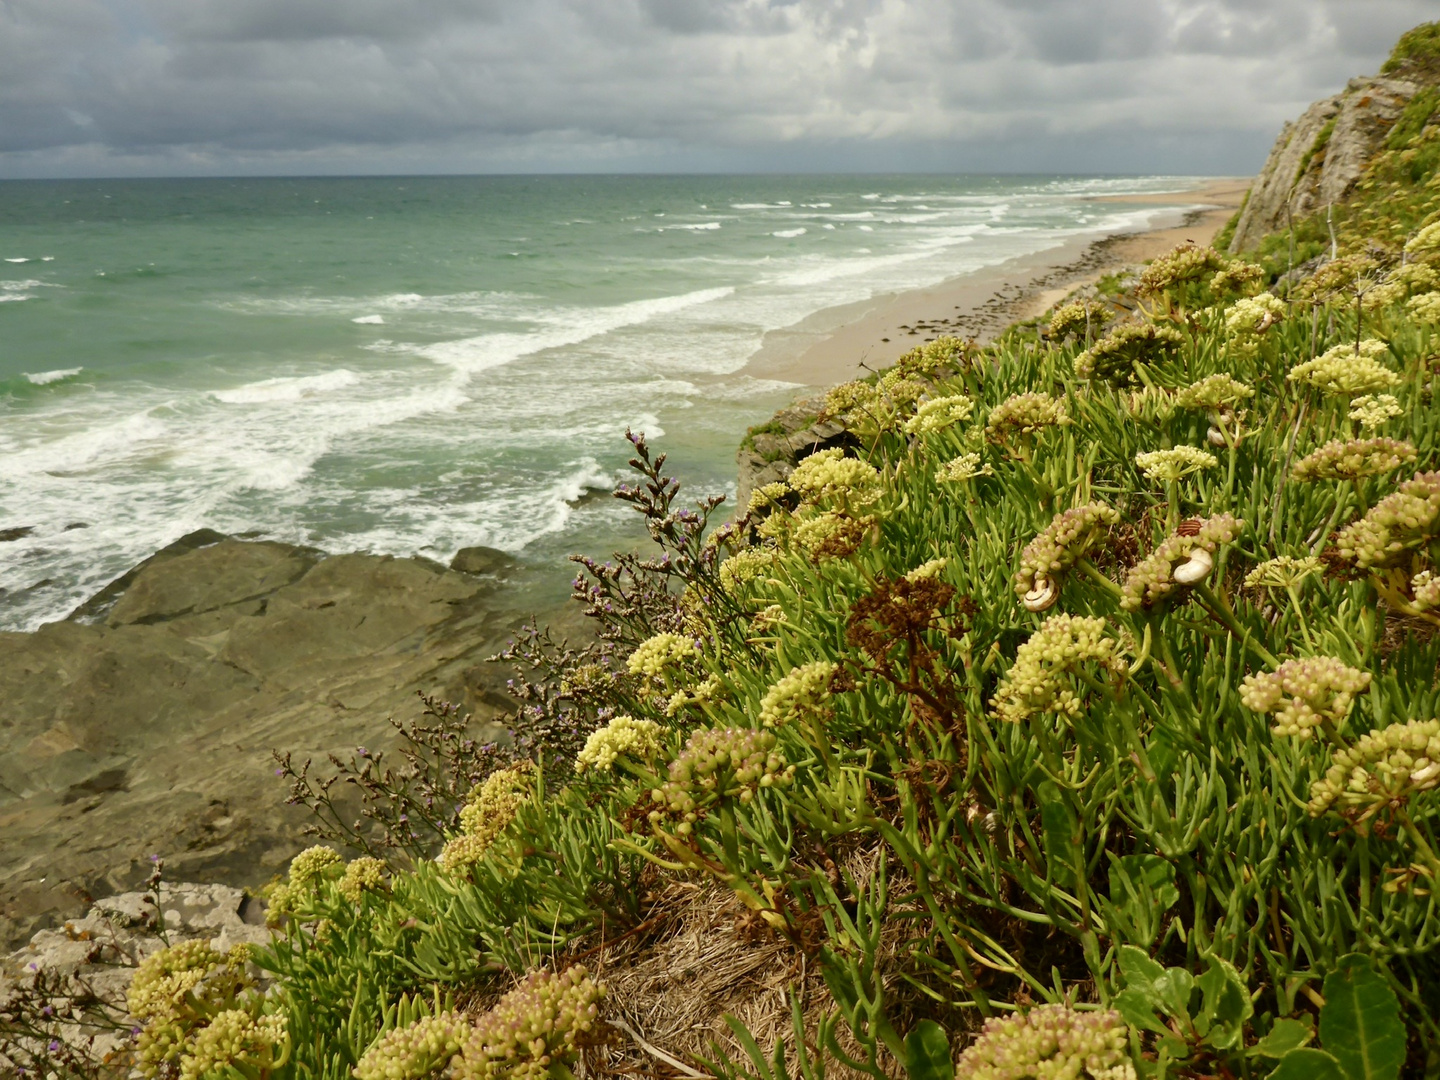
[(1317, 158), (144, 723), (100, 951), (772, 453)]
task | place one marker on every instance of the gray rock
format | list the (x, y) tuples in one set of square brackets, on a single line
[(150, 732), (1317, 159), (481, 560)]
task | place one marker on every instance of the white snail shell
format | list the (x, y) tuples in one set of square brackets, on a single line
[(1197, 566), (1042, 594), (1215, 437), (1426, 773)]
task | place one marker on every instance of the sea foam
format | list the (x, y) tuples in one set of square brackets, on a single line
[(44, 378)]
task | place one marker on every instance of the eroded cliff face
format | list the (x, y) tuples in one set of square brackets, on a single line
[(1318, 158)]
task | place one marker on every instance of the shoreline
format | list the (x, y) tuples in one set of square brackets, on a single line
[(842, 343)]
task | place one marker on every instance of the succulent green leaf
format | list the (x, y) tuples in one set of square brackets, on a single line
[(927, 1053), (1360, 1023), (1308, 1064)]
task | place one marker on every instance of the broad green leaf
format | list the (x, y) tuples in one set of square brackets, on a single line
[(1360, 1023), (1060, 830), (1139, 1008), (1139, 969), (1308, 1064), (1142, 889), (1285, 1035), (1225, 1004), (927, 1053)]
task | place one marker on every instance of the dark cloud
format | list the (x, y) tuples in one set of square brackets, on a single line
[(158, 86)]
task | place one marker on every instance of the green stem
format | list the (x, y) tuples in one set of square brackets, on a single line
[(1294, 592), (1091, 571), (1222, 612)]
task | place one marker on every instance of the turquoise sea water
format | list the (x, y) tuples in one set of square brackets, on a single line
[(413, 365)]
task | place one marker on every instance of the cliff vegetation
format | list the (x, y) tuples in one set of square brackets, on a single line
[(1076, 717)]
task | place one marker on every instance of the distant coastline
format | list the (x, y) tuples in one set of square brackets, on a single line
[(838, 344)]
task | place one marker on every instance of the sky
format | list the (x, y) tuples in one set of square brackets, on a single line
[(290, 87)]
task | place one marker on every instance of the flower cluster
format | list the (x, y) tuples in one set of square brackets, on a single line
[(1371, 411), (944, 353), (718, 763), (849, 397), (745, 566), (1066, 540), (1425, 587), (1040, 680), (1236, 277), (1424, 242), (1052, 1042), (1113, 358), (1304, 694), (1179, 560), (1170, 465), (930, 568), (701, 692), (1350, 459), (963, 468), (1348, 371), (1282, 572), (1425, 308), (940, 413), (831, 535), (308, 870), (1022, 415), (416, 1052), (1249, 318), (622, 736), (1077, 317), (1215, 393), (492, 806), (767, 497), (363, 875), (1402, 282), (657, 655), (1187, 264), (537, 1026), (235, 1042), (1398, 523), (804, 692), (1382, 768), (829, 474), (174, 991)]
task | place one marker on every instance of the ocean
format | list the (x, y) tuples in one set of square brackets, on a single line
[(413, 365)]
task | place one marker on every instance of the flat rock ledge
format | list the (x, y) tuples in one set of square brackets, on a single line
[(143, 723)]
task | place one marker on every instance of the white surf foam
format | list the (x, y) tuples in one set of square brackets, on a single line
[(43, 378), (369, 320), (475, 354), (17, 260), (287, 389), (703, 227), (789, 234)]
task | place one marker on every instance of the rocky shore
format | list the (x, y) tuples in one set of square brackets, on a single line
[(144, 722)]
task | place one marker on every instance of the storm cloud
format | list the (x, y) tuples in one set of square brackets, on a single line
[(144, 87)]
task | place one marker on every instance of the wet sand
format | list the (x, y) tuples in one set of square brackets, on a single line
[(839, 344)]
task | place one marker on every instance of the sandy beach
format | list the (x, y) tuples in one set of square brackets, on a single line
[(839, 344)]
